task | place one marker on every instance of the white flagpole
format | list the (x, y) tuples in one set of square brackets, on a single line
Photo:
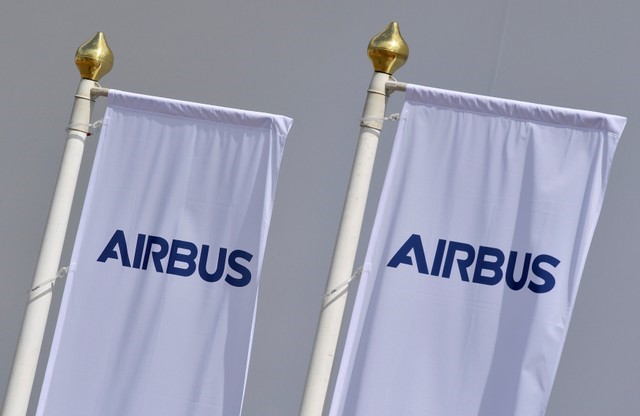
[(93, 59), (388, 52)]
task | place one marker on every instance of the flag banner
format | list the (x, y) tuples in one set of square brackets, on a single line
[(158, 310), (475, 258)]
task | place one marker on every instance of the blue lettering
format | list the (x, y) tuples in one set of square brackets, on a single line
[(181, 258), (137, 257), (202, 266), (245, 273), (413, 244), (489, 264), (437, 260), (163, 249), (463, 264), (109, 252), (188, 258), (511, 265), (549, 280), (493, 266)]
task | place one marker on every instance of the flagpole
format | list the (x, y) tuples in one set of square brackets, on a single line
[(388, 52), (94, 60)]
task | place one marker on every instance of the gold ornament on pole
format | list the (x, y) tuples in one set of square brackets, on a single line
[(94, 58), (387, 50)]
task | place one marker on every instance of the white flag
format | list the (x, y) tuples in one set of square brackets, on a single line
[(158, 310), (480, 239)]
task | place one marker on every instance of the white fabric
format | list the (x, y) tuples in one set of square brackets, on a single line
[(442, 325), (140, 332)]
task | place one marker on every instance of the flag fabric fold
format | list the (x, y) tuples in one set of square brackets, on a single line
[(475, 258), (158, 310)]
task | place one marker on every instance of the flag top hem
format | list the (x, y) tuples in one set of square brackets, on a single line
[(525, 111), (281, 124)]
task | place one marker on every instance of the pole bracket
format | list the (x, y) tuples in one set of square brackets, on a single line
[(356, 274), (62, 272), (391, 86)]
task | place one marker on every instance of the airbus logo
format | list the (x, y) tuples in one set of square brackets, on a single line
[(179, 257), (484, 265)]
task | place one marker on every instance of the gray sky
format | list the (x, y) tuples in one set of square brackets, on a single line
[(307, 60)]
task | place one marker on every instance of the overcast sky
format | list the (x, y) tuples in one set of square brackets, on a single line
[(307, 60)]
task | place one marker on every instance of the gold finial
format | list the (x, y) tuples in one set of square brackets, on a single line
[(387, 50), (94, 59)]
